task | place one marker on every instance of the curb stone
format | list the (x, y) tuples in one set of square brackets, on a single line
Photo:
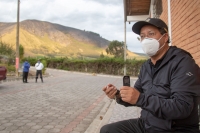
[(103, 117)]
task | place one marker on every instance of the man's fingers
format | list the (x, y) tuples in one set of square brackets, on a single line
[(104, 88), (109, 85), (129, 94), (110, 90), (113, 93), (107, 91), (125, 88)]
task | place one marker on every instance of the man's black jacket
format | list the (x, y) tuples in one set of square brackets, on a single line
[(169, 97)]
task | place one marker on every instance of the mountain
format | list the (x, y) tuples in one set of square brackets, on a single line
[(41, 38)]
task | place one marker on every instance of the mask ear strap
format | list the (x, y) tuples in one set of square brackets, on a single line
[(162, 46), (161, 37)]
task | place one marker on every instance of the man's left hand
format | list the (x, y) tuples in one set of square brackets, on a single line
[(129, 94)]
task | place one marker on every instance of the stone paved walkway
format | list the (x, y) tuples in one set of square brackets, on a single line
[(121, 112), (67, 102)]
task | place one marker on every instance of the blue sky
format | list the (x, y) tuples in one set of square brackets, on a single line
[(105, 17)]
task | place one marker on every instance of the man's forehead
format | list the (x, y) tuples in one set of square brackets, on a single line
[(150, 27)]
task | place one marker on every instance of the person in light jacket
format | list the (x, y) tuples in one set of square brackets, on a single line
[(25, 67), (39, 66)]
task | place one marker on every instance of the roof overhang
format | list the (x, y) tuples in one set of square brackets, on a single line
[(137, 10), (137, 18)]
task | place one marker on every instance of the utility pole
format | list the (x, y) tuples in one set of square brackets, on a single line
[(169, 22), (124, 47), (17, 40)]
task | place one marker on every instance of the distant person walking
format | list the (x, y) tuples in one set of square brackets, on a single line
[(25, 68), (39, 66)]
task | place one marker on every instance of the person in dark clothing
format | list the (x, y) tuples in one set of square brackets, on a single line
[(167, 89), (39, 66), (25, 67)]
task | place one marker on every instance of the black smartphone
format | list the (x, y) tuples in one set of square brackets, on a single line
[(126, 81)]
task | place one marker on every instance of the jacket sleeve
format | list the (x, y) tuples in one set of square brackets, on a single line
[(119, 101), (184, 86)]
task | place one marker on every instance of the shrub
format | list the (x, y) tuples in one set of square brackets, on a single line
[(106, 65)]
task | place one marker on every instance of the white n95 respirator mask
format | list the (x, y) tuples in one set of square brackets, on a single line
[(150, 46)]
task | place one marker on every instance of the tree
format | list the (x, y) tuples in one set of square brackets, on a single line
[(21, 52), (116, 48), (101, 55), (6, 49)]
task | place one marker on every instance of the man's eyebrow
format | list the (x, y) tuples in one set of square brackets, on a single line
[(142, 32), (148, 31)]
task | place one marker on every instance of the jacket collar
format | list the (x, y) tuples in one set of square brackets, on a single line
[(171, 53)]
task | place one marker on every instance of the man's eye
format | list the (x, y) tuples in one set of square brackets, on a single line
[(151, 34)]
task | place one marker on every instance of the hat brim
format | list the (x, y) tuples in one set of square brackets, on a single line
[(138, 26)]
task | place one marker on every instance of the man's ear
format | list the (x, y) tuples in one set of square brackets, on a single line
[(166, 37)]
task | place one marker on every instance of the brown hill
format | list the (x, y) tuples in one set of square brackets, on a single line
[(41, 38), (44, 38), (58, 33)]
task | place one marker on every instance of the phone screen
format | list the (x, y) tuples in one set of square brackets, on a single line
[(126, 81)]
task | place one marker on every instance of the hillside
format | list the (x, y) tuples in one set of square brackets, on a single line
[(40, 38)]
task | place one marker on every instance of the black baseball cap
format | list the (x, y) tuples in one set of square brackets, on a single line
[(149, 21)]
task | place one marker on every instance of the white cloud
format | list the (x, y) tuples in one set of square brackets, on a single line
[(105, 17), (8, 11)]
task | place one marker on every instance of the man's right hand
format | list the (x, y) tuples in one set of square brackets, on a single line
[(110, 90)]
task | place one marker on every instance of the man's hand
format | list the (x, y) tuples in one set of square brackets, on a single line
[(110, 90), (129, 94)]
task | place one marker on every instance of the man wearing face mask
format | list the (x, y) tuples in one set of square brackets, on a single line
[(167, 89)]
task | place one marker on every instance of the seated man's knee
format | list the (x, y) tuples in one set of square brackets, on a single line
[(104, 129), (109, 128)]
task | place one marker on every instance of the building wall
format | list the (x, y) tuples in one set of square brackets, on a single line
[(185, 22)]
